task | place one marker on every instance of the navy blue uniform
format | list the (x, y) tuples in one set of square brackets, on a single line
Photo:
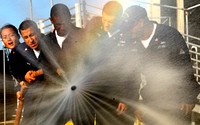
[(168, 70), (114, 78), (34, 97)]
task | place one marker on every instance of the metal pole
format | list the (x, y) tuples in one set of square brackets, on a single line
[(180, 16), (192, 7), (78, 14), (52, 3), (186, 26), (170, 22), (167, 6), (31, 10), (84, 13), (4, 84), (187, 21)]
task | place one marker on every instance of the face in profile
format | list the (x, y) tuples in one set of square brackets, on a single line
[(30, 37), (137, 30), (60, 25), (9, 38), (108, 21)]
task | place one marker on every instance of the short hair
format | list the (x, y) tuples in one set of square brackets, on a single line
[(10, 26), (135, 13), (60, 10), (113, 8), (27, 24)]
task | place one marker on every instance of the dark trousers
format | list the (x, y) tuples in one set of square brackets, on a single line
[(32, 100)]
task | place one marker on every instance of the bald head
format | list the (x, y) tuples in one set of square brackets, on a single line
[(60, 10)]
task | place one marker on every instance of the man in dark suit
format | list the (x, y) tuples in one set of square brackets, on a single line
[(38, 72), (114, 75), (65, 38), (171, 88), (67, 43)]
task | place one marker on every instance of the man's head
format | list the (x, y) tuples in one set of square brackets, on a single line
[(111, 15), (135, 20), (61, 18), (10, 36), (30, 33)]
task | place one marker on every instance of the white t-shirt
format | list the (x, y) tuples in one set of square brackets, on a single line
[(60, 39), (109, 34), (147, 41), (37, 53)]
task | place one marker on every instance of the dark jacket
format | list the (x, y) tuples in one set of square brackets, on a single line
[(72, 49), (37, 90), (114, 71), (18, 65), (168, 69)]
